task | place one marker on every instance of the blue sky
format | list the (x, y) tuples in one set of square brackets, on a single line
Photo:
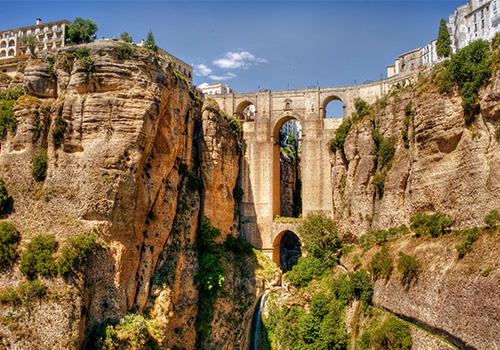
[(253, 45)]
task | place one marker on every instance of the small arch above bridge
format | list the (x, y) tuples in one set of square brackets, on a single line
[(244, 110)]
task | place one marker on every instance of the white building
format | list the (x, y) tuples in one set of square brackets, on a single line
[(215, 88), (292, 127), (478, 19)]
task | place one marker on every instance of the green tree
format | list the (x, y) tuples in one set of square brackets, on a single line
[(443, 44), (39, 161), (32, 43), (150, 42), (9, 241), (38, 259), (381, 264), (126, 37), (4, 196), (81, 31), (320, 238)]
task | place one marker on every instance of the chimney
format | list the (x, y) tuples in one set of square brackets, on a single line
[(38, 21)]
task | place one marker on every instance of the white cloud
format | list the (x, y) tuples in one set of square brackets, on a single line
[(243, 59), (226, 76), (202, 71)]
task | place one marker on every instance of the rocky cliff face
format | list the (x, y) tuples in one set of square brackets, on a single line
[(134, 156), (449, 166)]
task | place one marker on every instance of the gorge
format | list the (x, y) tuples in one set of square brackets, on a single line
[(151, 201)]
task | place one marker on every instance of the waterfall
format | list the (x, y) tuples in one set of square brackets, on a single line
[(257, 338)]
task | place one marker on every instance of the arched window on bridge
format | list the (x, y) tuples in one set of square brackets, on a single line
[(245, 111), (333, 107), (287, 178), (287, 250)]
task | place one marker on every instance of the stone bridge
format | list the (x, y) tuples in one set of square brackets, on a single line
[(260, 168)]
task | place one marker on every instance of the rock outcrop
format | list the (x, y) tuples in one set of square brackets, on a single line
[(134, 156), (449, 166)]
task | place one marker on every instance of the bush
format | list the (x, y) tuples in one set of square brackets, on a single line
[(58, 131), (75, 253), (4, 197), (8, 121), (9, 241), (363, 109), (385, 149), (430, 225), (39, 168), (404, 131), (305, 271), (381, 264), (126, 50), (38, 259), (409, 267), (362, 287), (210, 276), (87, 63), (469, 70), (392, 335), (337, 143), (25, 292), (320, 238), (238, 245), (379, 183), (465, 247), (492, 218)]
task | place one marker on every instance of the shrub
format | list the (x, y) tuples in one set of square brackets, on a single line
[(25, 292), (492, 218), (210, 276), (320, 238), (4, 197), (38, 259), (75, 253), (9, 241), (238, 245), (469, 70), (305, 271), (126, 37), (8, 121), (402, 229), (39, 168), (337, 143), (392, 335), (409, 267), (385, 149), (193, 181), (404, 131), (381, 264), (430, 225), (379, 183), (126, 50), (465, 247), (87, 63), (362, 286), (58, 131), (363, 109), (356, 261)]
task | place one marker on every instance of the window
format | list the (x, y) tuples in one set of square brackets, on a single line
[(59, 37), (482, 24), (475, 27)]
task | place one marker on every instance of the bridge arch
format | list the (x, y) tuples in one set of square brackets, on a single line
[(245, 111), (334, 99), (286, 249), (291, 205)]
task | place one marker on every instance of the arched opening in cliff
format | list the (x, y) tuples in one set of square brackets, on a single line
[(333, 107), (287, 184), (286, 250), (245, 111)]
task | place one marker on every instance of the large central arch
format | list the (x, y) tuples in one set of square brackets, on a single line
[(276, 194)]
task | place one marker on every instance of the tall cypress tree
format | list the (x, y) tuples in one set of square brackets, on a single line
[(150, 42), (443, 44)]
